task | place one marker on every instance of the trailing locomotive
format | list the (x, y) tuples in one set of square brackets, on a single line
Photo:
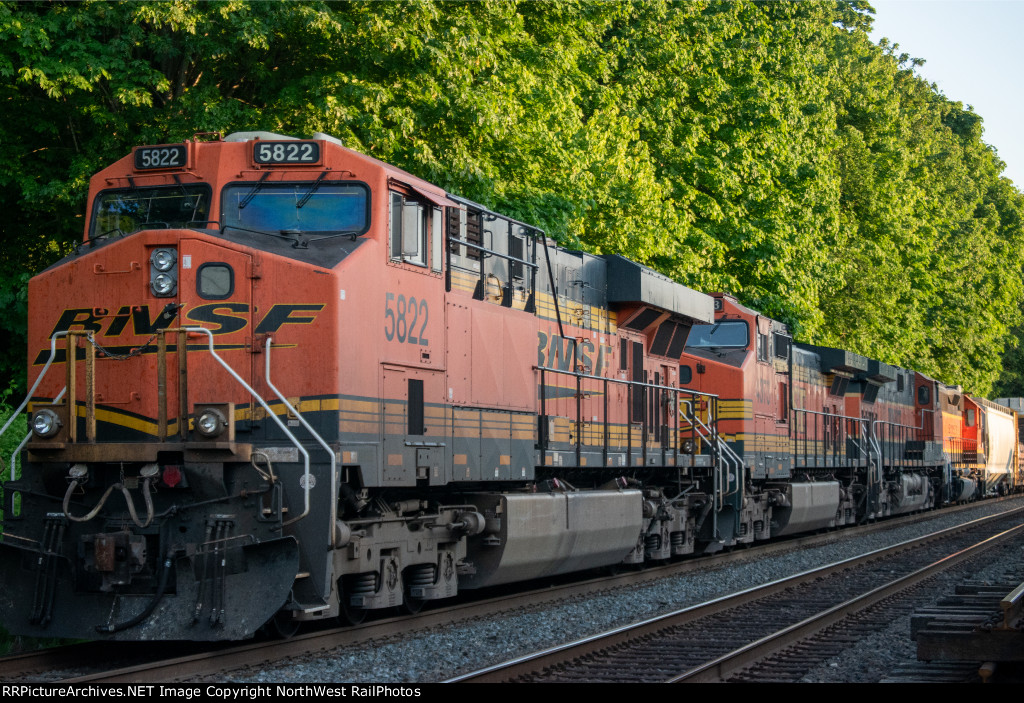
[(280, 381)]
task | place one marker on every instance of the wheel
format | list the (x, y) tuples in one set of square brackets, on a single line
[(418, 575), (282, 625), (348, 614), (412, 605)]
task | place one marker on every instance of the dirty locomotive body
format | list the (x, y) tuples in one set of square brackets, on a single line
[(280, 381)]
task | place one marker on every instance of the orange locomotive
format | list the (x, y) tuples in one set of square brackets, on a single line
[(280, 381), (825, 437), (283, 381)]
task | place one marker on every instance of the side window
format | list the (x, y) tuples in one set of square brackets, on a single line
[(685, 375), (437, 241), (781, 346), (408, 231), (517, 251), (838, 387), (215, 281), (396, 226), (414, 233)]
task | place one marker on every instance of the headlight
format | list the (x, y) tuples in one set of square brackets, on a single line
[(163, 259), (163, 285), (211, 423), (45, 423)]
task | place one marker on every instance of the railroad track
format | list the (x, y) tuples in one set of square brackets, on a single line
[(726, 638), (151, 662)]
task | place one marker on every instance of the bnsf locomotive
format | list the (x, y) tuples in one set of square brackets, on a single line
[(281, 381)]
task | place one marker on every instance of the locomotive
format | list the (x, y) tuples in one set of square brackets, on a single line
[(280, 381)]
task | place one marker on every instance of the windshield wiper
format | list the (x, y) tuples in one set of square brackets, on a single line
[(302, 240), (309, 194), (252, 193), (91, 241), (299, 238), (352, 234)]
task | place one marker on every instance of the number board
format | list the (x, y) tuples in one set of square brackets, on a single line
[(290, 152), (150, 157)]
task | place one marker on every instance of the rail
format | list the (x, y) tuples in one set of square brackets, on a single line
[(825, 443), (90, 412), (721, 482), (46, 367), (964, 452), (668, 434), (270, 413), (709, 641), (898, 437)]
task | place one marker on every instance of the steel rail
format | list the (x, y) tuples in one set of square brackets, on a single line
[(720, 668), (204, 659), (553, 656)]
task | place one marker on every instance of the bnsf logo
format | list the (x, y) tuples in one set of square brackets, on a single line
[(219, 318)]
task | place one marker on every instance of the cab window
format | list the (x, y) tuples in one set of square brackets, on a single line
[(122, 212), (314, 206), (719, 335)]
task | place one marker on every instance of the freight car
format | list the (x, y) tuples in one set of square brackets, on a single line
[(281, 381)]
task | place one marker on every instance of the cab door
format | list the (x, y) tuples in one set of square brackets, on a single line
[(216, 293)]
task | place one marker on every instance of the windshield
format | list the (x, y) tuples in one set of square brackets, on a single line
[(721, 334), (127, 211), (307, 207)]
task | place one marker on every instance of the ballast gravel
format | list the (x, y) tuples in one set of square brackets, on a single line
[(440, 654)]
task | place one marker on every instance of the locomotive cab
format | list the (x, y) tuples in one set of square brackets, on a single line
[(162, 453)]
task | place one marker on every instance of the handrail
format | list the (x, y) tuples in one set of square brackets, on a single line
[(319, 439), (224, 364), (485, 250), (830, 415), (863, 441), (647, 386), (654, 386), (876, 475), (46, 367), (843, 421), (728, 453), (263, 404)]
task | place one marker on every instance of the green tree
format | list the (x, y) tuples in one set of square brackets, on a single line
[(765, 148)]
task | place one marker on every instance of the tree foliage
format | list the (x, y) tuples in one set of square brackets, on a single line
[(768, 149)]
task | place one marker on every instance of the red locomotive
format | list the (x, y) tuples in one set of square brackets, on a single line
[(281, 381)]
